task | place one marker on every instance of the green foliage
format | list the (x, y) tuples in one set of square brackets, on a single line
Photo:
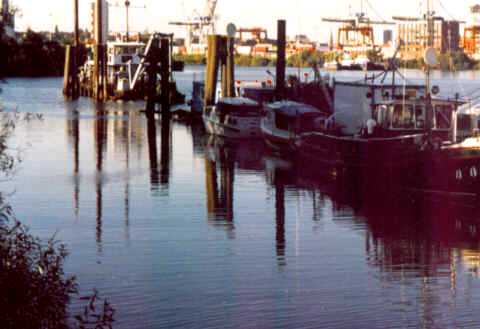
[(306, 58), (191, 59), (452, 61), (32, 56), (256, 61)]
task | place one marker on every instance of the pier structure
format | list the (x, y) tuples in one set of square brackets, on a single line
[(220, 57)]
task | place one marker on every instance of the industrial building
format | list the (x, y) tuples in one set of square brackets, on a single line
[(413, 32), (471, 36)]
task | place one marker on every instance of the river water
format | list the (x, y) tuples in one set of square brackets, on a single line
[(179, 230)]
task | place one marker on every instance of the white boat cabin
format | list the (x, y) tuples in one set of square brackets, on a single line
[(121, 53)]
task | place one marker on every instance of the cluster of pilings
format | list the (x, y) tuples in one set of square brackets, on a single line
[(99, 87), (220, 55)]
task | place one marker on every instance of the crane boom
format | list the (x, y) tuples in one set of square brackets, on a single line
[(210, 8)]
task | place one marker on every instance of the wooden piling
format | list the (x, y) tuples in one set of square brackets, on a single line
[(165, 76), (222, 55), (76, 50), (211, 77), (67, 72), (230, 75), (152, 68), (281, 58)]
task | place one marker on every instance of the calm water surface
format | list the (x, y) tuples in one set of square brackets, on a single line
[(180, 230)]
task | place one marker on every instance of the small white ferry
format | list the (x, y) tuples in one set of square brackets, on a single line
[(234, 117)]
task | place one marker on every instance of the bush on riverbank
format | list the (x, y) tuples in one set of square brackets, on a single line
[(191, 59), (33, 56)]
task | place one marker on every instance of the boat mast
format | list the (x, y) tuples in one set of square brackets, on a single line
[(430, 44), (430, 36)]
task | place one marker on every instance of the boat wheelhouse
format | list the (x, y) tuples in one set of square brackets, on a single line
[(123, 59), (234, 117)]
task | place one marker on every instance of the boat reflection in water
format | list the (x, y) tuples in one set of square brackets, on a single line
[(222, 159), (414, 247)]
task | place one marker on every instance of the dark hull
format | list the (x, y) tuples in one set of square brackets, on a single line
[(451, 172), (455, 172), (352, 151), (279, 144)]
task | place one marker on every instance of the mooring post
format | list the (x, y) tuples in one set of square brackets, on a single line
[(222, 49), (100, 56), (165, 76), (230, 67), (67, 72), (152, 69), (75, 57), (211, 77), (281, 59)]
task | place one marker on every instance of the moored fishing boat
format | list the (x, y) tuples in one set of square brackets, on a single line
[(393, 134), (233, 117)]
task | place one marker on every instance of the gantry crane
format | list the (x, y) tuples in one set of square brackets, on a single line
[(200, 25), (356, 31)]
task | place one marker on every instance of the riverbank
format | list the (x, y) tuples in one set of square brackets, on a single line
[(32, 56), (305, 59)]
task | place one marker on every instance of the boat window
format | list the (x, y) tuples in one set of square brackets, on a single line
[(464, 122), (403, 116), (443, 116), (420, 117)]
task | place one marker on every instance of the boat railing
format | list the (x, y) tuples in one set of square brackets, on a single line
[(362, 139)]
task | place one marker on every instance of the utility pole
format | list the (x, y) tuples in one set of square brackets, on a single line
[(127, 6)]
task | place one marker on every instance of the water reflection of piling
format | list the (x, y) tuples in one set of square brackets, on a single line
[(166, 151), (153, 151), (126, 139), (280, 220), (74, 137), (220, 198), (100, 145), (76, 157)]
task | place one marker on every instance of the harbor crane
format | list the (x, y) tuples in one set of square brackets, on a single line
[(359, 25), (127, 4), (200, 25)]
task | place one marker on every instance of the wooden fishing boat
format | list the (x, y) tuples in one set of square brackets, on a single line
[(386, 132)]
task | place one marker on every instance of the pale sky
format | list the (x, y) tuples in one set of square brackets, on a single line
[(303, 16)]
